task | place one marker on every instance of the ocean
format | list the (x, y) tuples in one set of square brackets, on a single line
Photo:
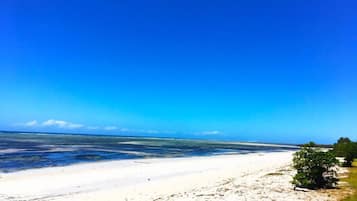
[(21, 151)]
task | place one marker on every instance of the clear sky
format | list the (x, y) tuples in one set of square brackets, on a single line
[(276, 71)]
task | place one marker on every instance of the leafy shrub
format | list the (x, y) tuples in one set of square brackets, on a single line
[(314, 168), (347, 149)]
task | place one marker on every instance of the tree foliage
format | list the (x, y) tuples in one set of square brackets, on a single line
[(347, 149), (314, 168)]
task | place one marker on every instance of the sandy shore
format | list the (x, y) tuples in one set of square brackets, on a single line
[(259, 176)]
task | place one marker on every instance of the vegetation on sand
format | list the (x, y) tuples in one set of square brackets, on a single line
[(347, 149), (314, 168)]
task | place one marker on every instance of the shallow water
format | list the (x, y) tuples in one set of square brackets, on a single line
[(20, 151)]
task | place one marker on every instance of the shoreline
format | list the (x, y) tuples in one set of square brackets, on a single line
[(250, 176), (129, 161), (27, 151), (133, 161)]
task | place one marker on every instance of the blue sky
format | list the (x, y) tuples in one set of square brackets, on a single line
[(276, 71)]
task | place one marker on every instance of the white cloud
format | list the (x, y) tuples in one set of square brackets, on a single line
[(92, 127), (214, 132), (149, 131), (61, 124), (31, 123), (69, 125), (109, 128)]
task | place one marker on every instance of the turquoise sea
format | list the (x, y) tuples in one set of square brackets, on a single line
[(21, 151)]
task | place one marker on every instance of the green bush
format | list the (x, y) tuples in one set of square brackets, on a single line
[(347, 149), (314, 168)]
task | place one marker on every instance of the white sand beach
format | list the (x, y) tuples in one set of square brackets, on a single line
[(258, 176)]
